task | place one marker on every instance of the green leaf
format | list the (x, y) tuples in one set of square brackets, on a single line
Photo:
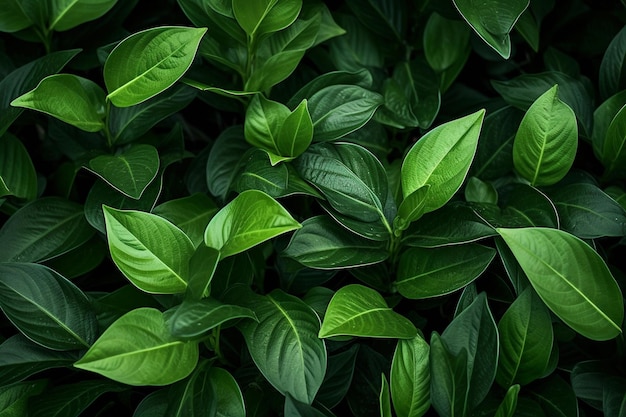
[(556, 397), (258, 17), (251, 218), (46, 307), (71, 399), (148, 62), (225, 155), (284, 344), (356, 310), (410, 377), (587, 212), (14, 398), (43, 229), (66, 14), (202, 267), (129, 123), (193, 319), (612, 69), (350, 177), (260, 174), (338, 377), (449, 379), (154, 404), (193, 396), (384, 398), (72, 99), (12, 17), (150, 251), (322, 243), (425, 273), (131, 171), (558, 266), (296, 132), (296, 408), (24, 79), (411, 208), (509, 404), (526, 341), (338, 110), (21, 358), (275, 69), (546, 141), (441, 159), (137, 349), (614, 145), (227, 394), (603, 115), (384, 18), (361, 77), (17, 172), (477, 191), (493, 20), (190, 214)]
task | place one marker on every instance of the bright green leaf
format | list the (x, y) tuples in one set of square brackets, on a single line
[(258, 17), (410, 377), (296, 132), (264, 119)]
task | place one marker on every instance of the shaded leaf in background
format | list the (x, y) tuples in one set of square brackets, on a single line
[(612, 70), (17, 173)]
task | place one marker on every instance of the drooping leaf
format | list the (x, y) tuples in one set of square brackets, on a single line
[(441, 159), (137, 349), (410, 378), (546, 141), (558, 266), (66, 14), (425, 273), (284, 344), (43, 229), (148, 62), (129, 172), (17, 173), (150, 251), (72, 99), (46, 307), (251, 218), (324, 244), (356, 310), (526, 341)]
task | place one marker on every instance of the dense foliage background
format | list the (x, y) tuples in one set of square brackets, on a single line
[(306, 208)]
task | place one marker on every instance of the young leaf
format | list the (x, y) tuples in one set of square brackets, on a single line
[(356, 310), (493, 21), (17, 173), (258, 17), (66, 14), (150, 251), (411, 209), (46, 307), (425, 273), (441, 159), (558, 266), (284, 344), (296, 132), (137, 349), (324, 244), (72, 99), (44, 229), (148, 62), (410, 377), (526, 341), (129, 172), (251, 218), (546, 141)]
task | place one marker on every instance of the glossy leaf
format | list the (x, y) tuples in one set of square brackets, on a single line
[(71, 399), (66, 14), (72, 99), (46, 307), (296, 132), (449, 379), (526, 341), (284, 344), (612, 66), (322, 243), (161, 56), (338, 378), (410, 378), (251, 218), (225, 154), (17, 172), (265, 16), (150, 251), (546, 141), (24, 79), (411, 208), (194, 318), (425, 273), (137, 349), (558, 266), (614, 149), (441, 159), (356, 310), (44, 229), (260, 174), (493, 21), (130, 171), (228, 399)]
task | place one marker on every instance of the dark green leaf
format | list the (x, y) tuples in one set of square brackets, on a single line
[(509, 403), (17, 173), (260, 174), (71, 399), (556, 397), (225, 156), (338, 377), (612, 67)]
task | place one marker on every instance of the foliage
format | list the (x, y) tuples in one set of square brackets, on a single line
[(308, 208)]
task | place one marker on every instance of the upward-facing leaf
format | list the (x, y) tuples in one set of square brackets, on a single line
[(441, 159), (257, 17), (410, 377), (66, 14), (150, 251), (148, 62), (251, 218), (46, 307), (558, 266), (284, 344), (546, 141)]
